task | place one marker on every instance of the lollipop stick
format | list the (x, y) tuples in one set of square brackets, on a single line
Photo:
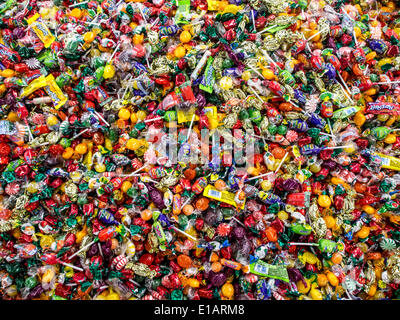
[(270, 59), (71, 266), (91, 22), (42, 144), (265, 30), (141, 12), (134, 282), (116, 6), (355, 38), (260, 176), (388, 82), (81, 249), (29, 131), (190, 127), (326, 134), (256, 94), (148, 179), (313, 36), (307, 45), (133, 173), (115, 51), (79, 134), (254, 23), (101, 117), (78, 4), (196, 23), (303, 244), (256, 71), (345, 12), (186, 202), (242, 224), (155, 21), (344, 83), (280, 164), (291, 102), (330, 130), (101, 251), (153, 119), (127, 87), (186, 234), (256, 136), (339, 147)]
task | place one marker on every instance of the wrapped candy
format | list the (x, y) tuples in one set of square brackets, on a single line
[(199, 149)]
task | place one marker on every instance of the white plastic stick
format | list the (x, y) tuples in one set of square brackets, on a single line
[(254, 23), (190, 127), (127, 87), (256, 94), (78, 4), (344, 83), (270, 59), (155, 21), (101, 251), (153, 119), (141, 12), (71, 266), (266, 29), (338, 147), (91, 22), (100, 116), (280, 164), (256, 71), (134, 282), (186, 202), (388, 82), (313, 36), (79, 134), (233, 218), (29, 131), (326, 134), (303, 244), (256, 136), (183, 232), (355, 38), (42, 144), (344, 11), (133, 173), (115, 51), (80, 250), (260, 176)]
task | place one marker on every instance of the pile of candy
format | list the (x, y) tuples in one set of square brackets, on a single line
[(94, 205)]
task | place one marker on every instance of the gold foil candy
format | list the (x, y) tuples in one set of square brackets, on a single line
[(143, 270)]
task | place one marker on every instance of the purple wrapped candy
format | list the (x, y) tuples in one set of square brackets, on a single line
[(201, 100), (211, 217), (329, 164), (330, 71), (106, 217), (156, 197), (239, 232), (295, 275), (106, 248), (332, 44), (93, 250), (291, 185), (36, 292), (10, 99), (218, 279), (245, 247), (19, 33)]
